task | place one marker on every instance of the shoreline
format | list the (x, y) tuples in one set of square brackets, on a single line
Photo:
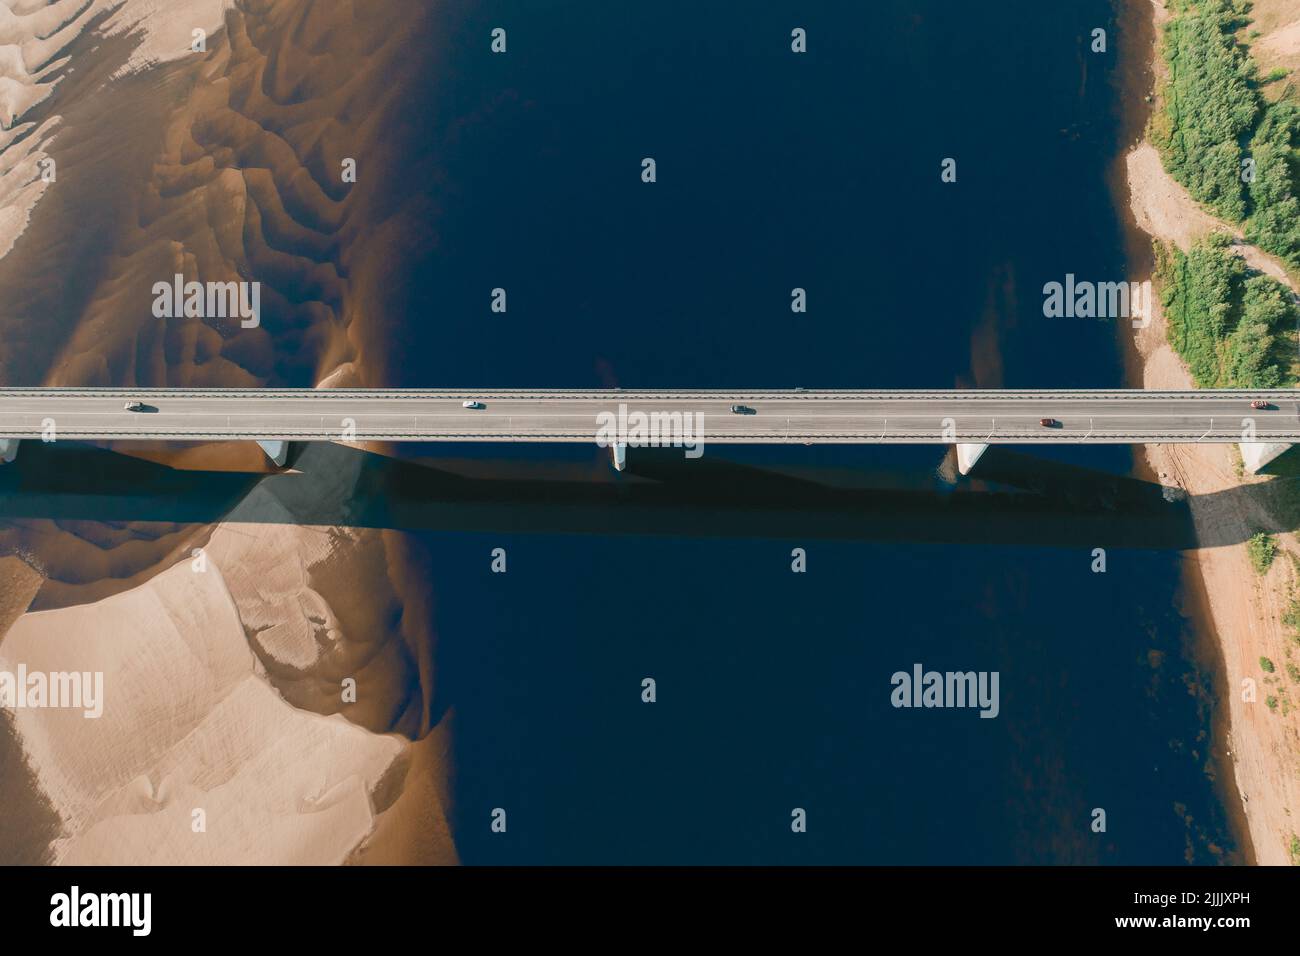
[(1232, 610), (1139, 22)]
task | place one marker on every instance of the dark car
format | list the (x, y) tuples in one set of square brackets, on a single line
[(742, 410)]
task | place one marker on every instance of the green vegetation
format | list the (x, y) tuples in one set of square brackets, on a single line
[(1291, 616), (1234, 330), (1271, 701), (1295, 850), (1216, 124), (1293, 672), (1262, 549), (1267, 665), (1274, 222)]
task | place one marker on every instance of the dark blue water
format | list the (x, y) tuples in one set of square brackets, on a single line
[(775, 171)]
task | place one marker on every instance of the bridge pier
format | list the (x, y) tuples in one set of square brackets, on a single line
[(967, 454), (277, 451), (8, 449), (1257, 455), (619, 450)]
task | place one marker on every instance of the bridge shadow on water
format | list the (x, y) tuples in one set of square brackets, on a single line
[(1017, 498)]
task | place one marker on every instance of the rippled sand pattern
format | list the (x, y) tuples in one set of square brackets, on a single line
[(248, 184), (222, 165)]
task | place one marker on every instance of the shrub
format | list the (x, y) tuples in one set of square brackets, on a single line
[(1214, 118), (1262, 549), (1232, 329)]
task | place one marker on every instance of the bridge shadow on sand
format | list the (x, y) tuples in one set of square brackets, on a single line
[(1033, 501)]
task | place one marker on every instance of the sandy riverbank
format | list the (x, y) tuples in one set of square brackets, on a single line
[(1244, 609), (224, 671)]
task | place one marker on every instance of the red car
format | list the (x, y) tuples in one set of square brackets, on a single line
[(1048, 422), (1260, 403)]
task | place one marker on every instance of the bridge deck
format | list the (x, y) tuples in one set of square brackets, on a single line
[(554, 415)]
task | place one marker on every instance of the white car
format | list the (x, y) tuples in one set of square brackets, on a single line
[(472, 404), (133, 406)]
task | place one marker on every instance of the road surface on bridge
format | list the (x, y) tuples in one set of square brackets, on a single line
[(558, 415)]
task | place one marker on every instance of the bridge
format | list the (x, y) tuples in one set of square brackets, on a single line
[(972, 419)]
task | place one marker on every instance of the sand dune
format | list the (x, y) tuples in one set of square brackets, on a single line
[(248, 184), (320, 604), (31, 34), (224, 165), (188, 724), (19, 582), (165, 27)]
